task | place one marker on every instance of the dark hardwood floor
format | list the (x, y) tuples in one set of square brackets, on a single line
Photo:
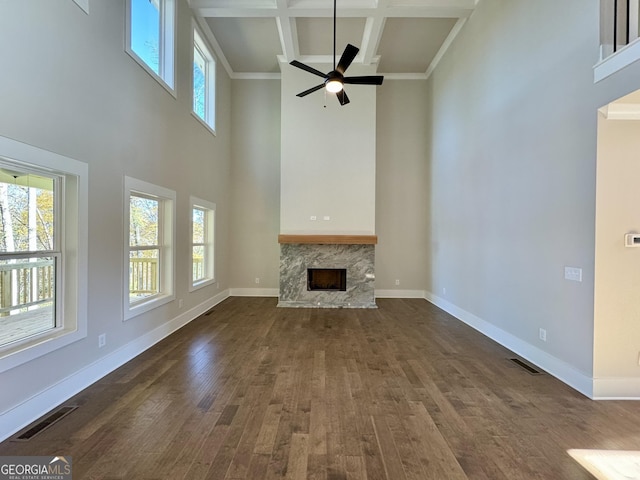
[(251, 391)]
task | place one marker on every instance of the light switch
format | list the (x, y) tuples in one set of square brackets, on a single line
[(573, 273)]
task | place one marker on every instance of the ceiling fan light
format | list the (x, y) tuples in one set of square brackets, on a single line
[(334, 86)]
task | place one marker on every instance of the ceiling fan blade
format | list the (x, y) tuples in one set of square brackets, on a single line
[(364, 80), (342, 97), (307, 68), (347, 57), (311, 90)]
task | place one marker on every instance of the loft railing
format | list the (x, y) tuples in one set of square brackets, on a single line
[(25, 284), (619, 25)]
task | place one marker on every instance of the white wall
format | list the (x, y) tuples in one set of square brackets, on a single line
[(255, 186), (401, 184), (512, 190), (68, 87), (617, 303), (402, 188), (328, 156)]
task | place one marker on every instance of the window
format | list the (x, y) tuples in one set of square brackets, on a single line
[(204, 81), (43, 247), (150, 37), (149, 240), (29, 253), (202, 243)]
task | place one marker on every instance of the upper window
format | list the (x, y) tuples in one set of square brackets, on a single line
[(202, 242), (42, 252), (150, 37), (150, 239), (204, 81)]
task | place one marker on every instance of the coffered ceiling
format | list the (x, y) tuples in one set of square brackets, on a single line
[(404, 38)]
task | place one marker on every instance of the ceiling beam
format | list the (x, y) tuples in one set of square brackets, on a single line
[(288, 32), (292, 12), (445, 46), (286, 12), (371, 38)]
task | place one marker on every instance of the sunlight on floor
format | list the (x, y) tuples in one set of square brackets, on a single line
[(609, 464)]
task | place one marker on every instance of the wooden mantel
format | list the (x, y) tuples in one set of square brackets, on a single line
[(330, 239)]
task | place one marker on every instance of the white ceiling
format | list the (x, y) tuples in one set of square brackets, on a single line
[(404, 38)]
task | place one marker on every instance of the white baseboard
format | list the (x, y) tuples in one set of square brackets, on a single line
[(558, 368), (625, 388), (253, 292), (21, 415), (273, 292), (400, 294)]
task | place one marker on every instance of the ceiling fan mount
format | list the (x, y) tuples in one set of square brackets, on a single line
[(335, 80)]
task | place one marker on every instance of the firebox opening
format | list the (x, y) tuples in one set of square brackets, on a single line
[(327, 279)]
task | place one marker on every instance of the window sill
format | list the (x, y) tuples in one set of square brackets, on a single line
[(143, 307), (201, 284), (33, 347), (203, 123), (617, 61), (153, 74)]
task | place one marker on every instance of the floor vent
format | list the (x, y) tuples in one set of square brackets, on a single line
[(45, 423), (525, 366)]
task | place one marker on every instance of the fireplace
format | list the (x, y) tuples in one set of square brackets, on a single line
[(327, 279), (327, 271)]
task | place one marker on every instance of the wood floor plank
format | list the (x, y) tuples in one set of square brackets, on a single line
[(255, 392), (268, 430), (298, 457)]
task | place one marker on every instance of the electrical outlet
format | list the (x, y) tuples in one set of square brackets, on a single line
[(397, 281), (543, 334), (313, 218), (444, 291), (326, 217), (180, 303), (102, 340), (257, 280)]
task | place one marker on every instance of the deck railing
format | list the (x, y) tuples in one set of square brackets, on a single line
[(619, 25), (198, 268), (26, 283), (143, 276)]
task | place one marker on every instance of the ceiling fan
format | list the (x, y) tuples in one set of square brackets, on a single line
[(334, 80)]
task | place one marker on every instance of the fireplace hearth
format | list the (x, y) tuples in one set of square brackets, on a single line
[(327, 275)]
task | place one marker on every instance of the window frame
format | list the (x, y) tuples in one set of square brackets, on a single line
[(71, 219), (209, 244), (199, 42), (166, 75), (166, 236)]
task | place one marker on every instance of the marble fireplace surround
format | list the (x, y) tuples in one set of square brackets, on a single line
[(355, 253)]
